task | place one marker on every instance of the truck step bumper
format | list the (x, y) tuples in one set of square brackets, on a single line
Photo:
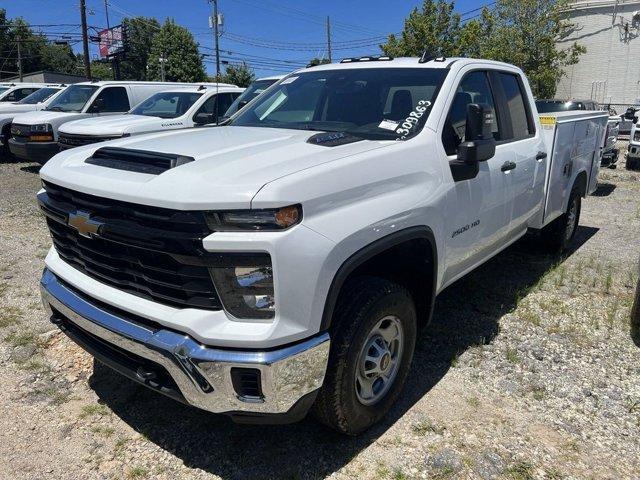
[(246, 384)]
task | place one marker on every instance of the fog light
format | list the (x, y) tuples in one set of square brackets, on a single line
[(247, 291)]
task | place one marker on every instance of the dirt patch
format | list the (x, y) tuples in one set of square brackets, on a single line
[(528, 371)]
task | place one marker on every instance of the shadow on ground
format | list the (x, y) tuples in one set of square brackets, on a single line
[(604, 189), (466, 314)]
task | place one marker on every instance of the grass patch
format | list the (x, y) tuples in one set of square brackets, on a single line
[(427, 426), (93, 410), (23, 339), (520, 471), (512, 355), (55, 395), (35, 365), (398, 474), (103, 430), (9, 316), (137, 472)]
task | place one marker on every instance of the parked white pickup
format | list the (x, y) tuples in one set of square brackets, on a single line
[(286, 261), (166, 110)]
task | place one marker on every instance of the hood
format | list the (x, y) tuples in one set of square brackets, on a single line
[(112, 125), (45, 116), (231, 165), (17, 107)]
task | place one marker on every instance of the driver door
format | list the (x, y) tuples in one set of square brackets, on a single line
[(478, 209)]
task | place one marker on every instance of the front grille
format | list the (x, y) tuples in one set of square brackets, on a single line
[(19, 130), (70, 140), (152, 252)]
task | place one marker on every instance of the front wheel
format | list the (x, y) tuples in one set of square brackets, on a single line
[(559, 234), (372, 347)]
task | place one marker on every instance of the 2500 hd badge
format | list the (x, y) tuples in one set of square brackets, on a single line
[(465, 228)]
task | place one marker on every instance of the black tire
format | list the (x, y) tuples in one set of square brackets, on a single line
[(363, 303), (559, 234)]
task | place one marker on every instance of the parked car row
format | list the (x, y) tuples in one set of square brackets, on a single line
[(40, 120)]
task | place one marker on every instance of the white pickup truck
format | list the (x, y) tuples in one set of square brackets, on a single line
[(170, 109), (286, 261)]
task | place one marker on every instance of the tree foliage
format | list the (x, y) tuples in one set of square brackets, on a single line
[(318, 61), (522, 32), (140, 32), (183, 62), (240, 74)]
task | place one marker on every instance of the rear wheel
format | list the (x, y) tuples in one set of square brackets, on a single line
[(373, 340), (560, 233)]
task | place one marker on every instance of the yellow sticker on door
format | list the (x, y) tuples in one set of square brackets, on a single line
[(547, 120)]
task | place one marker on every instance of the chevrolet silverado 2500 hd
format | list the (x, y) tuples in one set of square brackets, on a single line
[(286, 261)]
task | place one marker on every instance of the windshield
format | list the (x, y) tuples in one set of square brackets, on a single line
[(39, 96), (3, 89), (73, 99), (552, 106), (371, 103), (167, 104), (252, 91)]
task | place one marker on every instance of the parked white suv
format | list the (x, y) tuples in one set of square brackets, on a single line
[(166, 110), (34, 135), (287, 261)]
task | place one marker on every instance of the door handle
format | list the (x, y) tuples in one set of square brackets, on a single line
[(541, 156), (508, 166)]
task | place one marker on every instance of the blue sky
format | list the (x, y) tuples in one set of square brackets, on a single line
[(275, 36)]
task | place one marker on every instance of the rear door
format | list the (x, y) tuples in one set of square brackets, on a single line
[(521, 141), (111, 100)]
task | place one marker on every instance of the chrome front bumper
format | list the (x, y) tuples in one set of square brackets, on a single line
[(201, 374)]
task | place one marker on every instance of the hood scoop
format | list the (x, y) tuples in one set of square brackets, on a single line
[(333, 139), (140, 161)]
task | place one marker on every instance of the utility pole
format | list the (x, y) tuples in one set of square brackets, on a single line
[(85, 39), (162, 61), (19, 40), (329, 38), (216, 35)]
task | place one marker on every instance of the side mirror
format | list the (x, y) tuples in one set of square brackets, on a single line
[(203, 118), (97, 106), (479, 144), (630, 114)]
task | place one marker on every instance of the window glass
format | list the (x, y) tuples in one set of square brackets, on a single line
[(217, 105), (516, 107), (167, 104), (112, 99), (39, 96), (73, 99), (474, 88), (372, 103), (252, 91), (225, 100), (18, 94)]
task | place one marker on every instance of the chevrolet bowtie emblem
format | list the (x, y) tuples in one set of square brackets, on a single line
[(83, 223)]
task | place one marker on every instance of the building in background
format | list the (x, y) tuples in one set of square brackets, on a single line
[(47, 77), (609, 72)]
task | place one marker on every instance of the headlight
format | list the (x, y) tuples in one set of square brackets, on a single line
[(41, 128), (246, 291), (266, 219)]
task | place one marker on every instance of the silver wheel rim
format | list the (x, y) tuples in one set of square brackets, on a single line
[(571, 219), (379, 360)]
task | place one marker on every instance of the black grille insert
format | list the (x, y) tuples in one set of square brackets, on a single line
[(151, 252), (70, 140)]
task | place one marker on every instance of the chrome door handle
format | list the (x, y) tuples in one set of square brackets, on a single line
[(541, 156), (508, 166)]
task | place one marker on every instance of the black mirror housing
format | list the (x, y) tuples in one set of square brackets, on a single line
[(203, 118), (479, 144)]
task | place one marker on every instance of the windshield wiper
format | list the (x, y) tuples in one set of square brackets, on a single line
[(56, 109)]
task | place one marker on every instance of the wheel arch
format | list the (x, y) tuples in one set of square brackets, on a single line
[(420, 236)]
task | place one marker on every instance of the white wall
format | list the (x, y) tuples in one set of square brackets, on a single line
[(610, 70)]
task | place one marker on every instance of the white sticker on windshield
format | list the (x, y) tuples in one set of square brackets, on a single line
[(388, 124), (288, 80)]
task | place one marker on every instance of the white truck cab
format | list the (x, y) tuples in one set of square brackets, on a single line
[(167, 110), (251, 92), (34, 135), (36, 101), (15, 92), (286, 260)]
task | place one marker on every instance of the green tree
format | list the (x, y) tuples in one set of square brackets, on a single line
[(140, 32), (526, 33), (177, 46), (101, 70), (240, 75), (434, 28), (318, 61)]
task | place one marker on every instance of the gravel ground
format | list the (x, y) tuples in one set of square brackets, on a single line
[(528, 371)]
